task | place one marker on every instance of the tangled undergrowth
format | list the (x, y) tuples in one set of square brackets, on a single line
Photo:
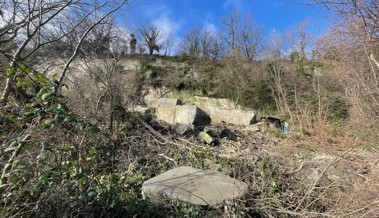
[(55, 164)]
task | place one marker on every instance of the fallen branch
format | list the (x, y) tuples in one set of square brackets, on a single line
[(168, 158), (295, 171)]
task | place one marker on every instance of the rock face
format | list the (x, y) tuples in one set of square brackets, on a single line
[(194, 186), (184, 114)]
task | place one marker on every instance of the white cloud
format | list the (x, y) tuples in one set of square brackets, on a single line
[(170, 29), (162, 16), (167, 25), (232, 3), (210, 27)]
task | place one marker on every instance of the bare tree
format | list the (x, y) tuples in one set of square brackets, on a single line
[(365, 12), (299, 39), (197, 43), (32, 25), (251, 38), (152, 37), (352, 46), (168, 44), (206, 42), (215, 49), (191, 43), (241, 34), (232, 28), (275, 47)]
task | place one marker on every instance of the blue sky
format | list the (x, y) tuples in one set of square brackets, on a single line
[(176, 17)]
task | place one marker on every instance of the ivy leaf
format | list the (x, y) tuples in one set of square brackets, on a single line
[(48, 96), (80, 126), (54, 75), (41, 78), (28, 114), (70, 119), (25, 68), (95, 129), (2, 134), (49, 123), (22, 81), (92, 193), (13, 143), (10, 149), (59, 112), (10, 71), (36, 105), (63, 107), (58, 118), (12, 117)]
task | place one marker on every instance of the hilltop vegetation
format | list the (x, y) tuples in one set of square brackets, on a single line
[(70, 146)]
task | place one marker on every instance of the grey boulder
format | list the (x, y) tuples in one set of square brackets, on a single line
[(184, 114), (194, 186)]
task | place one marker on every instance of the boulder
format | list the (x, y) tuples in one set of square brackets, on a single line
[(194, 186), (231, 116), (191, 115), (223, 110), (184, 114), (155, 97), (205, 102), (168, 102), (166, 113), (182, 129)]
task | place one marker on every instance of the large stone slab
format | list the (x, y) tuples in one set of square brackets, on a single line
[(166, 113), (184, 114), (223, 110), (194, 186), (168, 101), (203, 102), (153, 98), (232, 116), (191, 115)]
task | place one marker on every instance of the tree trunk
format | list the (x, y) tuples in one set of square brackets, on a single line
[(8, 84)]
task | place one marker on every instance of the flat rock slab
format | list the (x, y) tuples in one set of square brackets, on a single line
[(184, 114), (231, 116), (194, 186), (191, 115)]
